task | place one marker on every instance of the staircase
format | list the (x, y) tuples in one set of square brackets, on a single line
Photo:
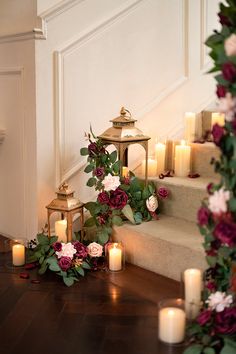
[(173, 243)]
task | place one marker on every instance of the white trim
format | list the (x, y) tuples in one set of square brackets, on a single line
[(36, 33), (58, 9)]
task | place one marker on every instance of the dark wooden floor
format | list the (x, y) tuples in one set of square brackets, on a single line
[(103, 313)]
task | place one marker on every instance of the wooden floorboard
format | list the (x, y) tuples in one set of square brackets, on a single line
[(102, 313)]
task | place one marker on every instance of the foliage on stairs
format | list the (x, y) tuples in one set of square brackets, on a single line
[(215, 328)]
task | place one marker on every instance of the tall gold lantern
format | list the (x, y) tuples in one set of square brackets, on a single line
[(122, 134), (68, 206)]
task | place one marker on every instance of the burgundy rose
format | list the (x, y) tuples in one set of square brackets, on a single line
[(212, 252), (229, 71), (211, 286), (210, 188), (99, 172), (163, 192), (103, 198), (101, 219), (126, 180), (225, 232), (217, 133), (81, 249), (203, 216), (204, 317), (93, 149), (64, 263), (118, 199), (57, 246), (225, 321), (224, 20), (221, 91)]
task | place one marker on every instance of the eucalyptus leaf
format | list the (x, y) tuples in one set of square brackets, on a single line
[(128, 213), (54, 267), (89, 222), (85, 265), (89, 168), (91, 182), (194, 349), (68, 281), (80, 271), (42, 239), (116, 220), (84, 151), (113, 156)]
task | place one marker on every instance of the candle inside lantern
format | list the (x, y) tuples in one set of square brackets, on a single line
[(125, 171), (60, 230), (190, 126), (218, 118), (182, 159), (18, 255), (193, 287), (115, 258), (152, 167), (160, 157), (172, 325)]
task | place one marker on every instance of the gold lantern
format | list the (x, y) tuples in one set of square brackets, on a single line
[(124, 133), (68, 206)]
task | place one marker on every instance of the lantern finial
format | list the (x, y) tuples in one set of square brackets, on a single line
[(123, 112)]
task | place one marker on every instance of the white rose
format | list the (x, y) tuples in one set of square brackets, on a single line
[(68, 250), (230, 45), (219, 301), (218, 201), (152, 203), (110, 182), (94, 249)]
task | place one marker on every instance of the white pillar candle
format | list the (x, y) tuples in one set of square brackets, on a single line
[(160, 157), (192, 287), (60, 230), (182, 159), (190, 126), (18, 255), (172, 325), (115, 258), (152, 167), (218, 118), (125, 171)]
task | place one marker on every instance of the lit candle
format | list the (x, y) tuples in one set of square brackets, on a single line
[(60, 230), (193, 287), (152, 167), (182, 159), (125, 171), (160, 157), (18, 255), (172, 325), (218, 118), (190, 126), (115, 258)]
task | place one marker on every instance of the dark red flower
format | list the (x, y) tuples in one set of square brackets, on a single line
[(225, 321), (163, 192), (57, 246), (127, 180), (224, 20), (221, 91), (81, 249), (64, 263), (211, 286), (203, 216), (118, 199), (204, 317), (103, 198), (229, 71), (210, 188), (101, 219), (93, 149), (217, 133), (99, 172), (225, 232)]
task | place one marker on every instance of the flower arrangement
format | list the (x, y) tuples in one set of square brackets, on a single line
[(118, 197), (215, 328), (68, 260)]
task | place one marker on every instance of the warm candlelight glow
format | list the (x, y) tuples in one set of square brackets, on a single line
[(115, 258), (193, 287), (18, 255), (60, 230), (182, 159), (190, 126), (152, 167), (160, 157), (172, 325), (125, 171), (217, 118)]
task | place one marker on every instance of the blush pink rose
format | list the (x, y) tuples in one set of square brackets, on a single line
[(152, 203), (218, 201), (110, 182), (94, 249), (230, 45)]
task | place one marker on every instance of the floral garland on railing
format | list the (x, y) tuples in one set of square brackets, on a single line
[(215, 328), (119, 198)]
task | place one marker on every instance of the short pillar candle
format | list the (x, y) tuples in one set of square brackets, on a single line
[(190, 126), (60, 230), (18, 254), (115, 257), (160, 157), (182, 159)]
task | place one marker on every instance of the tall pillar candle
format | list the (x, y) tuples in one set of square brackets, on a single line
[(182, 159), (192, 289), (190, 126), (152, 167), (160, 157), (125, 171), (60, 230), (18, 255), (172, 325), (217, 118)]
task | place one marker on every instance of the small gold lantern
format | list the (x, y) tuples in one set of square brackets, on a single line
[(124, 133), (68, 206)]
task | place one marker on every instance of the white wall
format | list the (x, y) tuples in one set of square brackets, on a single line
[(99, 55)]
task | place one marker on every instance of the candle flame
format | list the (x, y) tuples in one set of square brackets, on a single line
[(115, 245), (182, 142)]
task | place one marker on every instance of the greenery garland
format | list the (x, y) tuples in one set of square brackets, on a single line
[(215, 328)]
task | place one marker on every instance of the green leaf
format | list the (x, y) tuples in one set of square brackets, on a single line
[(103, 235), (211, 261), (229, 347), (85, 265), (116, 220), (138, 217), (80, 271), (89, 168), (128, 213), (52, 239), (91, 182), (232, 204), (43, 268), (209, 350), (89, 222), (93, 207), (41, 259), (68, 280), (116, 167), (42, 239), (54, 267), (51, 260), (194, 349), (113, 156), (84, 151)]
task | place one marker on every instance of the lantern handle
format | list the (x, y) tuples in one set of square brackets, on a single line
[(63, 187), (123, 112)]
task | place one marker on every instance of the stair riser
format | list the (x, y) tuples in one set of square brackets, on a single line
[(157, 255)]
